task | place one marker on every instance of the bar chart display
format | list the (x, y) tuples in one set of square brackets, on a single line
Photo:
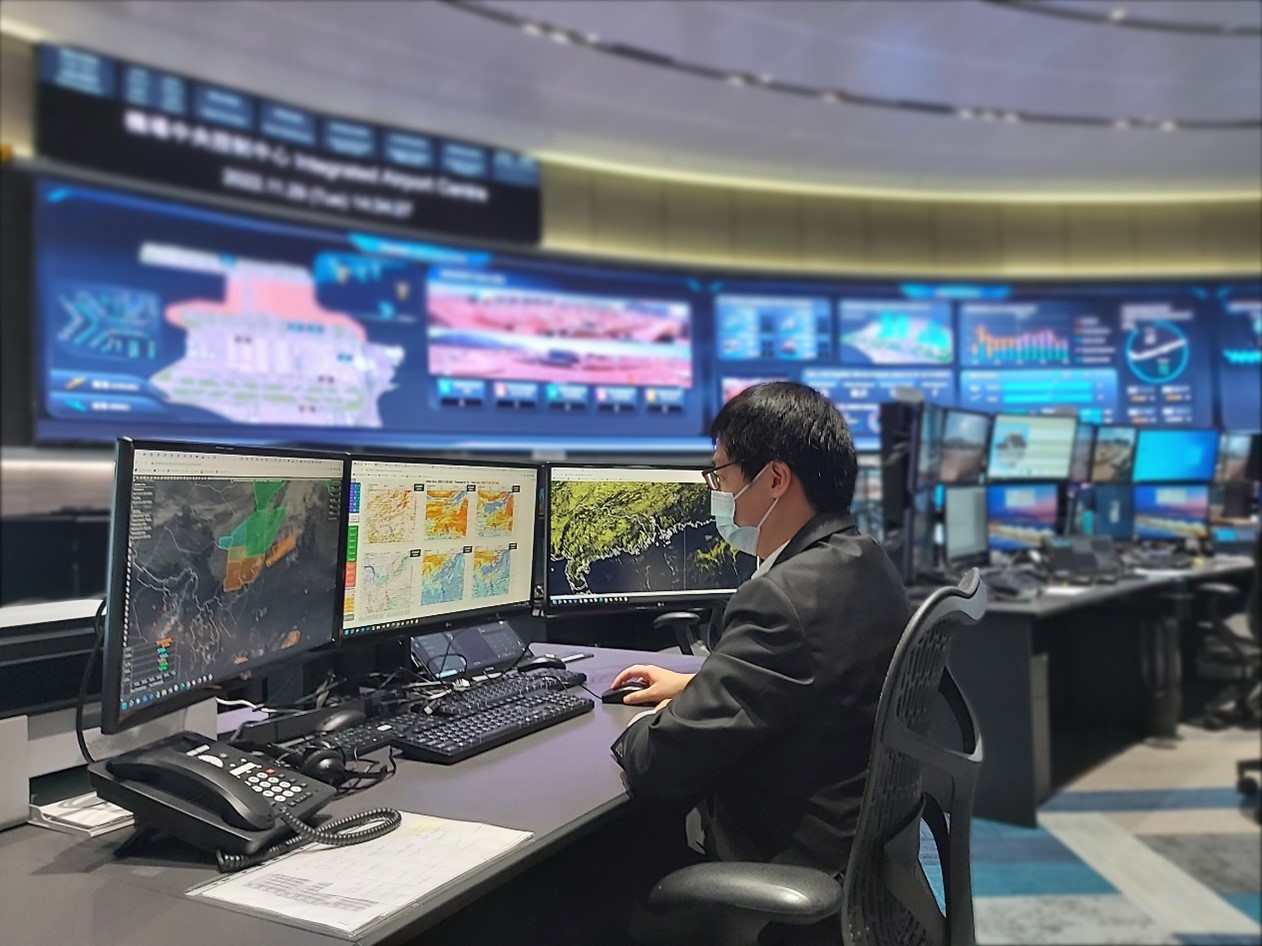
[(1017, 348)]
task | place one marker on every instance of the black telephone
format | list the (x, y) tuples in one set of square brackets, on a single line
[(207, 793)]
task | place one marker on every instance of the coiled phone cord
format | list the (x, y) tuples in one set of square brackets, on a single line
[(333, 834)]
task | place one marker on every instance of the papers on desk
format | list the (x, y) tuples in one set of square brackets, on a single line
[(346, 890), (87, 815), (1065, 591)]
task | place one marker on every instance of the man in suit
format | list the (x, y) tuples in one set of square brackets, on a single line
[(771, 736)]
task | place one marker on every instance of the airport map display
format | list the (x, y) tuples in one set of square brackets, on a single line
[(211, 586), (636, 537)]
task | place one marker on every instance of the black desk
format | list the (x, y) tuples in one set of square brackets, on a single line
[(57, 890), (1000, 664)]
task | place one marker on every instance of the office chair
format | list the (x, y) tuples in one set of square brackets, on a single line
[(886, 899), (1228, 650)]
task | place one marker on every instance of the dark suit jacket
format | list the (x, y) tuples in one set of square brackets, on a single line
[(772, 735)]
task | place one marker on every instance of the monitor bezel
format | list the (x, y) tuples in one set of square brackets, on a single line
[(701, 599), (113, 718), (1069, 460), (1139, 442), (1061, 507), (416, 627), (1096, 444), (1095, 431), (990, 431)]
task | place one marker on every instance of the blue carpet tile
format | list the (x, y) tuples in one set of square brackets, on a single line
[(1172, 799), (1250, 904)]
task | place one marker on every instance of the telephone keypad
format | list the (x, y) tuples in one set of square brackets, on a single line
[(277, 790)]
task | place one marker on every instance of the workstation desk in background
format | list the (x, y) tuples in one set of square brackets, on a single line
[(560, 784), (1060, 682)]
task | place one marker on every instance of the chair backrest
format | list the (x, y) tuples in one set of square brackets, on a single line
[(888, 900)]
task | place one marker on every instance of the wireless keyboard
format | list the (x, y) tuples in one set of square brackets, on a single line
[(456, 739), (370, 736), (503, 690)]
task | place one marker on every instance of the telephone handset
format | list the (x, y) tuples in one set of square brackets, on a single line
[(209, 794)]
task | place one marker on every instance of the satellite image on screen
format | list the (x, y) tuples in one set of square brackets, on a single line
[(211, 587), (610, 537)]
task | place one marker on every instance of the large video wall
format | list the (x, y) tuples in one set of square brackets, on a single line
[(170, 319)]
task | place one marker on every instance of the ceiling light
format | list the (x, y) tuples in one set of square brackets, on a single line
[(830, 97), (559, 37), (1168, 125), (532, 29), (1117, 14), (735, 79), (592, 38), (1122, 123), (765, 79), (964, 112), (1011, 117)]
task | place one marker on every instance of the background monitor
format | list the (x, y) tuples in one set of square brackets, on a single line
[(965, 435), (924, 559), (1031, 448), (1176, 456), (431, 541), (1080, 463), (223, 560), (628, 537), (1113, 458), (1235, 450), (965, 534), (1173, 513), (1021, 517), (929, 455), (1114, 512)]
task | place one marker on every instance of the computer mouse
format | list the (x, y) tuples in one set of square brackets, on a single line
[(615, 695), (342, 719)]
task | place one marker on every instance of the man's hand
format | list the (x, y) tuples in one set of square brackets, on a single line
[(662, 684)]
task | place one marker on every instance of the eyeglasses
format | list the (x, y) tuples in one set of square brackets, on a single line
[(711, 477)]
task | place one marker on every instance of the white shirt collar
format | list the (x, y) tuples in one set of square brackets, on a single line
[(765, 565)]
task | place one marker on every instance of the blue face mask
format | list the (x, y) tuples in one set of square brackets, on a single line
[(723, 508)]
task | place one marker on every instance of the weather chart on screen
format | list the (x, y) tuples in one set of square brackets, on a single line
[(172, 317)]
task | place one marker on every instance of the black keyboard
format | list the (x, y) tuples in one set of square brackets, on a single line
[(492, 693), (456, 739), (367, 737)]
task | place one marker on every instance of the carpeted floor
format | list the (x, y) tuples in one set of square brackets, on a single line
[(1154, 846)]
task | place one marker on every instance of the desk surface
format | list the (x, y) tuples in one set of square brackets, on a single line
[(1050, 604), (56, 889)]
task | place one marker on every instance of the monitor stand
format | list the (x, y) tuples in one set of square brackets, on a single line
[(683, 624)]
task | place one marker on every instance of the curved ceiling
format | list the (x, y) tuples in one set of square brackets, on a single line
[(436, 66)]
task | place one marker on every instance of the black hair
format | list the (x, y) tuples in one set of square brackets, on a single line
[(789, 422)]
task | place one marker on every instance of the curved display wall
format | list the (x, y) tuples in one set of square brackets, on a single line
[(161, 318)]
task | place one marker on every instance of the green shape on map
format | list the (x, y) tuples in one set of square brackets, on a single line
[(257, 531)]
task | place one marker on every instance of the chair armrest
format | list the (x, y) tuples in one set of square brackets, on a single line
[(774, 893)]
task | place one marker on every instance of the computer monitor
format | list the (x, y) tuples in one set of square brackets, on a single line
[(1031, 448), (223, 561), (965, 533), (929, 456), (1080, 463), (924, 558), (432, 542), (635, 537), (1113, 511), (965, 435), (1171, 513), (1235, 451), (1021, 517), (1113, 458), (1176, 456)]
